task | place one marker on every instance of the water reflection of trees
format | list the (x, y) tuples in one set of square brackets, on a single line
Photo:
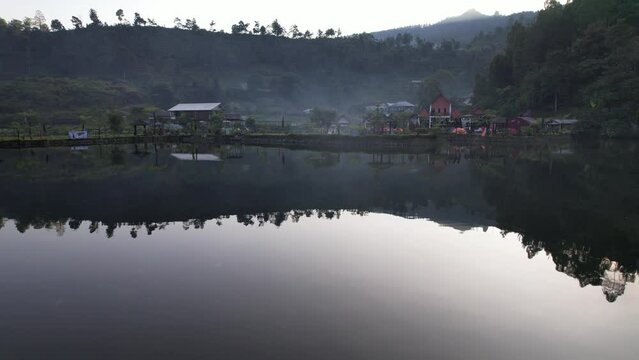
[(276, 218), (578, 206)]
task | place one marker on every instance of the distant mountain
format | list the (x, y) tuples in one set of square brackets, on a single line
[(469, 15), (463, 28)]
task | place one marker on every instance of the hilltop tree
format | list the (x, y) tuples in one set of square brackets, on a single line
[(76, 22), (256, 28), (178, 23), (3, 23), (295, 32), (40, 22), (276, 28), (15, 25), (138, 20), (330, 33), (239, 28), (212, 26), (152, 22), (120, 15), (95, 20), (405, 39), (56, 25), (308, 34), (191, 24), (27, 24)]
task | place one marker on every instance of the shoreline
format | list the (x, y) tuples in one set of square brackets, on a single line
[(329, 142)]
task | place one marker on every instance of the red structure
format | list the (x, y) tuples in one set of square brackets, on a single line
[(515, 125), (441, 106), (440, 112)]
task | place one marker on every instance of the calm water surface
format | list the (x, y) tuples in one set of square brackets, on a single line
[(252, 253)]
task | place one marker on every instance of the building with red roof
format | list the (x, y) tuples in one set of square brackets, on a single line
[(441, 112)]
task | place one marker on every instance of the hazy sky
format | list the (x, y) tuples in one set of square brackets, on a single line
[(351, 16)]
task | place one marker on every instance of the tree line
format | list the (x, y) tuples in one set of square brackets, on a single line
[(580, 60), (39, 23)]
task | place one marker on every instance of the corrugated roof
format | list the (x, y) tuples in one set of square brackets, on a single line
[(441, 98), (196, 107), (402, 104)]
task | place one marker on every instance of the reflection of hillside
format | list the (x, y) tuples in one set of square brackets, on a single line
[(264, 180), (579, 207)]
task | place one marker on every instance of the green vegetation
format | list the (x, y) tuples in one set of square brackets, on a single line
[(579, 59), (116, 122), (323, 118), (257, 69)]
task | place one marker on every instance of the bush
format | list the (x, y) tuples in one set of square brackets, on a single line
[(115, 122)]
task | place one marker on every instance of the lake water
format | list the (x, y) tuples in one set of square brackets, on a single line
[(181, 252)]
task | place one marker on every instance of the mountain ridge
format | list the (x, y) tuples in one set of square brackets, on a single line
[(463, 28), (469, 15)]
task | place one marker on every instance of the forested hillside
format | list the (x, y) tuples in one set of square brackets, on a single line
[(46, 74), (579, 59), (462, 28)]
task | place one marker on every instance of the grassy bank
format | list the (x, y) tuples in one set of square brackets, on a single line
[(317, 142)]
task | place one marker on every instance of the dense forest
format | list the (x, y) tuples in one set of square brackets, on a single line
[(580, 59), (50, 73)]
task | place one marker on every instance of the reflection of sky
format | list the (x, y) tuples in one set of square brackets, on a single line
[(362, 287)]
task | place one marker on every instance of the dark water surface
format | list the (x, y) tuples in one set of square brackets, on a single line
[(181, 252)]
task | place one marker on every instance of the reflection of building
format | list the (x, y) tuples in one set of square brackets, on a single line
[(194, 156), (613, 281)]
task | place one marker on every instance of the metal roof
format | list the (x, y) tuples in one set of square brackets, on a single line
[(564, 122), (401, 104), (196, 107)]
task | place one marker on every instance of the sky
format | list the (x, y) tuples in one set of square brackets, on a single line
[(350, 16)]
